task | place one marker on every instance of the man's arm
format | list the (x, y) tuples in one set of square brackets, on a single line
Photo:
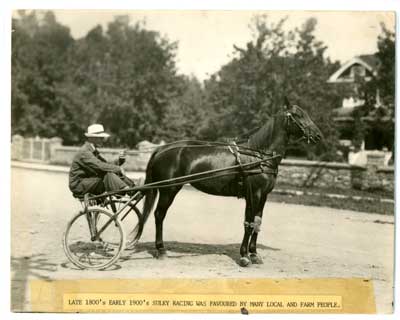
[(119, 161), (94, 163)]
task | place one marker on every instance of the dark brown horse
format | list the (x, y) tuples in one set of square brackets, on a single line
[(191, 157)]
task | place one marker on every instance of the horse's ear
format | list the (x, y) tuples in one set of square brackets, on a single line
[(286, 103)]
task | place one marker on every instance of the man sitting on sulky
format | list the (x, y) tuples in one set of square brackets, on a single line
[(91, 173)]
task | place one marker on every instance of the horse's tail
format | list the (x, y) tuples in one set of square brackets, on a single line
[(149, 201)]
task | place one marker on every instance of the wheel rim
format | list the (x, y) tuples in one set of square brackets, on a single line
[(84, 251)]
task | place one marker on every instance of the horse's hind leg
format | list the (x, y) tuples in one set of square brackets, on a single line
[(165, 200), (254, 257)]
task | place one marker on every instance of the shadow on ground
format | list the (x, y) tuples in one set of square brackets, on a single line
[(181, 250), (24, 268)]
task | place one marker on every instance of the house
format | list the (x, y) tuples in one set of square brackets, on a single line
[(365, 66), (360, 68), (354, 111)]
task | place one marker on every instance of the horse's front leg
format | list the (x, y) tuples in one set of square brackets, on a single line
[(256, 224), (244, 254)]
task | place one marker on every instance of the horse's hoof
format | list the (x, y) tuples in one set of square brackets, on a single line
[(161, 254), (244, 261), (255, 258)]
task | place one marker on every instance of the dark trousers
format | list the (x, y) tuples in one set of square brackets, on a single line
[(110, 182)]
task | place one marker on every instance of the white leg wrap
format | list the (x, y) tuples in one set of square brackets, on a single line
[(257, 224)]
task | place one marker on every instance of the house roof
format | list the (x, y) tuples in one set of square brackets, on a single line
[(369, 61)]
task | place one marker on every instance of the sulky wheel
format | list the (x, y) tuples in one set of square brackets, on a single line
[(86, 246), (130, 217)]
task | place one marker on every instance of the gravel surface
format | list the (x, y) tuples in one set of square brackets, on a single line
[(202, 234)]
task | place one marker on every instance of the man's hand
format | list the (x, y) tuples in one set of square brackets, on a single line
[(122, 171), (122, 157)]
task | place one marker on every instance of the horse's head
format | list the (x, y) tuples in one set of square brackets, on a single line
[(299, 124)]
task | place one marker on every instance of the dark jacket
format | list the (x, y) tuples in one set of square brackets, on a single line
[(88, 163)]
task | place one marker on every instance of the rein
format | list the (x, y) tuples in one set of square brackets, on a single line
[(251, 168)]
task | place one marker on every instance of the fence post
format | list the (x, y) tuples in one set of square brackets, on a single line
[(30, 148), (16, 147), (42, 155), (54, 142), (37, 144)]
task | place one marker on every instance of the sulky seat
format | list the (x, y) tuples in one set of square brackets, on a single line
[(85, 199)]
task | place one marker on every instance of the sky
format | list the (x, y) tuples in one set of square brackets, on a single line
[(206, 38)]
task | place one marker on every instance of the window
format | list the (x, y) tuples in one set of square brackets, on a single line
[(358, 71)]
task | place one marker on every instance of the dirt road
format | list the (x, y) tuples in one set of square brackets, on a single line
[(203, 235)]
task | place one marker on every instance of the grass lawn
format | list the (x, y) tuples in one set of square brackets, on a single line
[(374, 206)]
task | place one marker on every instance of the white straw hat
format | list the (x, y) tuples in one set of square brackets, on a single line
[(96, 130)]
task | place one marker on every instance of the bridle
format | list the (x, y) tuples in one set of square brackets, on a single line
[(303, 128)]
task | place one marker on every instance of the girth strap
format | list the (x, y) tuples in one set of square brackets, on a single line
[(242, 187), (269, 167), (235, 151)]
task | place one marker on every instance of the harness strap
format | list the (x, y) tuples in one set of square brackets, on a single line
[(243, 173), (236, 153), (268, 167)]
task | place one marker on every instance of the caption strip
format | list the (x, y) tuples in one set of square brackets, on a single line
[(75, 302)]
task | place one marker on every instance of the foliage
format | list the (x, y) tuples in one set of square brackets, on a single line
[(123, 77), (359, 129), (386, 74), (185, 113), (39, 48), (383, 84), (251, 87)]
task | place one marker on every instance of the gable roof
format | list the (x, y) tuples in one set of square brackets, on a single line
[(369, 61)]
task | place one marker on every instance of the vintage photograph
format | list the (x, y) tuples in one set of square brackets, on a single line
[(202, 161)]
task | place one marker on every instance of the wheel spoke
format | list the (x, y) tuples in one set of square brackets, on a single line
[(97, 254)]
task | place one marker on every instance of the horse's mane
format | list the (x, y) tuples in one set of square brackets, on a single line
[(262, 137)]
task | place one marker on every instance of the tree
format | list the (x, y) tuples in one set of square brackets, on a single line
[(277, 63), (124, 77), (127, 79), (382, 85), (186, 113), (385, 80), (39, 49)]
